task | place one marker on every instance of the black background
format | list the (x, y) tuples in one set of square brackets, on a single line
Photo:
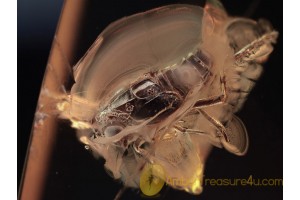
[(75, 173)]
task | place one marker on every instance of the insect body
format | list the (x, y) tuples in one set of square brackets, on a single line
[(156, 95), (161, 87)]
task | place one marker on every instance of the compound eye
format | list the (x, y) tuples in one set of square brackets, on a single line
[(112, 130), (145, 89)]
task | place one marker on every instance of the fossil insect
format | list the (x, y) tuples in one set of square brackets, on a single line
[(161, 88)]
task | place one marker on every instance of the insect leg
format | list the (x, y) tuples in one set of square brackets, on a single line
[(210, 101), (189, 131), (120, 193), (137, 147), (216, 123)]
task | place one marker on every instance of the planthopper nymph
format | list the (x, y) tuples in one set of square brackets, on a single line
[(157, 90)]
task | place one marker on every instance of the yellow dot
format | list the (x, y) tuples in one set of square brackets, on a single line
[(151, 179)]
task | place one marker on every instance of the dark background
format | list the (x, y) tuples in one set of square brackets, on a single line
[(75, 174)]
